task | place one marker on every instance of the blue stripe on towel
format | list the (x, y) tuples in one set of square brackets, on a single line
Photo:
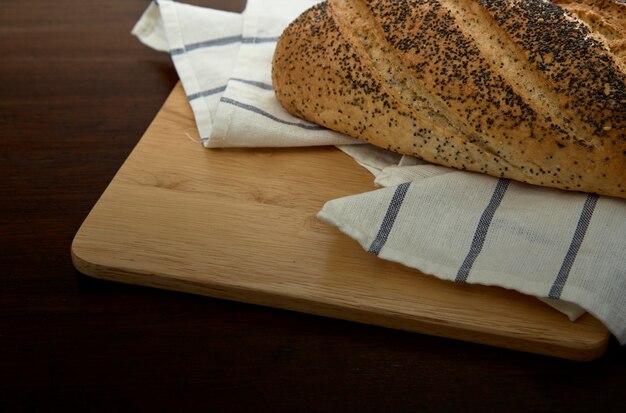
[(219, 89), (481, 231), (256, 40), (577, 240), (270, 116), (222, 41), (260, 85), (389, 219), (206, 93)]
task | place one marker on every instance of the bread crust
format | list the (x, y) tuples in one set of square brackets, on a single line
[(521, 90), (606, 20)]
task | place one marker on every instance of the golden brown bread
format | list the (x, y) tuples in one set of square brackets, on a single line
[(515, 89), (606, 20)]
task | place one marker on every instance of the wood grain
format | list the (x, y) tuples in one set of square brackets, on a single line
[(240, 225)]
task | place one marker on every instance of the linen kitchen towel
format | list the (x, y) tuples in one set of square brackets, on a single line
[(468, 227), (224, 63)]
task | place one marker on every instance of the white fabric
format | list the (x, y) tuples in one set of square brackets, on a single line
[(533, 238), (224, 62), (454, 225)]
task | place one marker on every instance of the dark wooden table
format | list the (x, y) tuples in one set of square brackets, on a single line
[(76, 93)]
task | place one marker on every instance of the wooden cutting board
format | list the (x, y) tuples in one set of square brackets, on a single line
[(240, 224)]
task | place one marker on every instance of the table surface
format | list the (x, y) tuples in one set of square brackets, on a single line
[(77, 91)]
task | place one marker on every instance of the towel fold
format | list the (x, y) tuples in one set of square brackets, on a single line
[(224, 62)]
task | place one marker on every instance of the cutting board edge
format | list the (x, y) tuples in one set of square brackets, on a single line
[(578, 351)]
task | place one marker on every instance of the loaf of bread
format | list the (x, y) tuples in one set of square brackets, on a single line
[(529, 90)]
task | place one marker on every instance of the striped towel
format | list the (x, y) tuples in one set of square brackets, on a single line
[(566, 248), (562, 246), (224, 62)]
